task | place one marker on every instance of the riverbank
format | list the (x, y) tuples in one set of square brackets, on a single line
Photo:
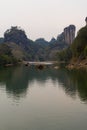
[(78, 65)]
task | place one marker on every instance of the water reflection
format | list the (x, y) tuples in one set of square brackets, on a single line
[(18, 79)]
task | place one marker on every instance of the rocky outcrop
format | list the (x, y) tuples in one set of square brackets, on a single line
[(61, 37), (69, 34), (53, 40), (86, 21)]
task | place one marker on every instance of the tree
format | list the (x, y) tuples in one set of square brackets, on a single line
[(15, 35), (80, 42)]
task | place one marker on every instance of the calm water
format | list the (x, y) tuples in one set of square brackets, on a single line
[(49, 99)]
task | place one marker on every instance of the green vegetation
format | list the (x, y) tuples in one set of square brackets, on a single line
[(80, 44), (15, 35), (6, 56), (22, 48), (65, 55), (78, 49), (16, 46)]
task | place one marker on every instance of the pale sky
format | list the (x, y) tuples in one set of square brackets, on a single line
[(42, 18)]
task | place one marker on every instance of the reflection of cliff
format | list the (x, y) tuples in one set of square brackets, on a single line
[(73, 82), (80, 81), (19, 79)]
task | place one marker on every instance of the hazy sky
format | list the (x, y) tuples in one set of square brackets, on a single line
[(42, 18)]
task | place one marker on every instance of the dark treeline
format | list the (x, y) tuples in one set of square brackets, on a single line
[(16, 46)]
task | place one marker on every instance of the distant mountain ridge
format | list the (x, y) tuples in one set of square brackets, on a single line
[(22, 48)]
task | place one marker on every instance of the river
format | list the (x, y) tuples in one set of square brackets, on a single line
[(48, 99)]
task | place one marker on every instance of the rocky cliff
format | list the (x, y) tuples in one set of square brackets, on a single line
[(69, 34), (86, 20)]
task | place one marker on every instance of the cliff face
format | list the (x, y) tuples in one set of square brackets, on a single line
[(69, 34), (86, 21)]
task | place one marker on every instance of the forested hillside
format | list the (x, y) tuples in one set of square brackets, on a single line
[(78, 50), (23, 48)]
